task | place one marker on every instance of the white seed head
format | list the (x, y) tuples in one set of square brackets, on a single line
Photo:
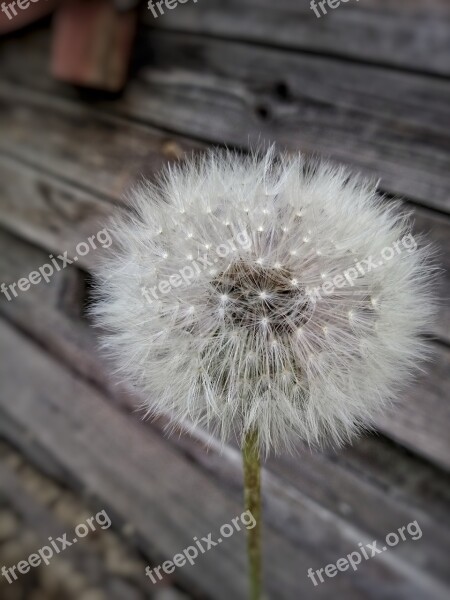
[(254, 342)]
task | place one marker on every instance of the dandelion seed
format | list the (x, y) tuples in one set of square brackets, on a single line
[(263, 297)]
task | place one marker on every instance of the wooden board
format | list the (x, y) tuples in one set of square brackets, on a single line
[(335, 479), (417, 426), (93, 441), (65, 161), (108, 177), (370, 118), (410, 35)]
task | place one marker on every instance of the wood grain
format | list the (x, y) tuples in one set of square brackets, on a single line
[(419, 428), (332, 481), (408, 35), (365, 86), (79, 429), (48, 210), (389, 125)]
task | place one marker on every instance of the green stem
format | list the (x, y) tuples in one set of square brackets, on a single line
[(252, 491)]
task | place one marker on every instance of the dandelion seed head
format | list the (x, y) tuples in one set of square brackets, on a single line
[(253, 342)]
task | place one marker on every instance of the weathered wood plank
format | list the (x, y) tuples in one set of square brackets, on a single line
[(436, 229), (95, 443), (412, 35), (325, 478), (59, 216), (430, 407), (368, 117), (415, 425), (97, 164), (66, 335), (403, 477), (329, 482), (77, 426), (79, 148)]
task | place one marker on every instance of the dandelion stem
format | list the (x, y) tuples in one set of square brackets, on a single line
[(252, 492)]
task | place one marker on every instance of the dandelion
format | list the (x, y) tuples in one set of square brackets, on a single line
[(248, 347)]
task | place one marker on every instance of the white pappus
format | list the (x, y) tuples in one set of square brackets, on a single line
[(254, 339)]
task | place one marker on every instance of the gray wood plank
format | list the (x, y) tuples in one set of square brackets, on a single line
[(410, 35), (392, 126), (120, 464), (72, 145), (328, 480), (347, 488), (60, 215), (416, 425), (66, 334), (69, 420), (429, 408), (366, 117)]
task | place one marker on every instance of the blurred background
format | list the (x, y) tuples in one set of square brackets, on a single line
[(93, 94)]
